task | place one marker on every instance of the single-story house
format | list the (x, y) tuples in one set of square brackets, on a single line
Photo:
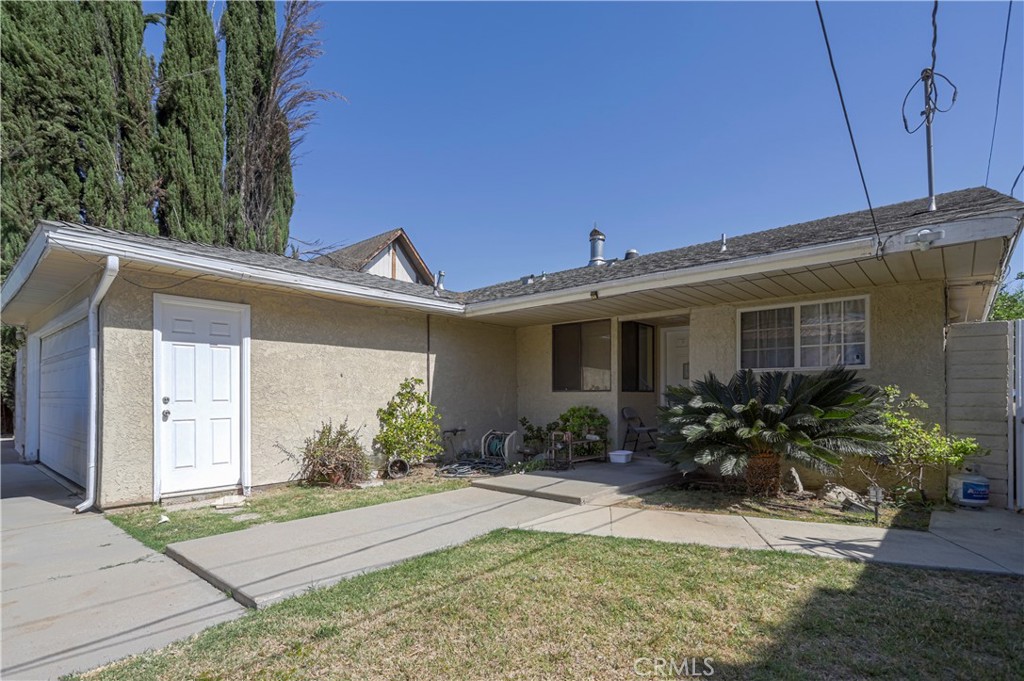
[(155, 368)]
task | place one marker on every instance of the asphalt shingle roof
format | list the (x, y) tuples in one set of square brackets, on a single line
[(270, 261), (957, 205), (356, 256), (952, 206)]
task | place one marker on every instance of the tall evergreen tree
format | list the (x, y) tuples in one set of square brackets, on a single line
[(190, 115), (249, 33), (118, 29), (38, 119)]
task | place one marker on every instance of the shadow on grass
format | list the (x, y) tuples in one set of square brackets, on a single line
[(896, 623)]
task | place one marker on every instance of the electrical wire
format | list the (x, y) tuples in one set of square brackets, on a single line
[(1016, 180), (849, 128), (932, 105), (129, 280), (999, 91)]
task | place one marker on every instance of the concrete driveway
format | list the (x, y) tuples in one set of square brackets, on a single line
[(77, 592)]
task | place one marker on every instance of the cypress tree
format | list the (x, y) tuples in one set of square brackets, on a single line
[(190, 116), (259, 195), (118, 28), (38, 119)]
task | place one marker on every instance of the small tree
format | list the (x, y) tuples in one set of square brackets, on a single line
[(1009, 302), (409, 425), (750, 424), (914, 448)]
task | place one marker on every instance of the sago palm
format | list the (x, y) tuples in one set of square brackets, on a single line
[(750, 424)]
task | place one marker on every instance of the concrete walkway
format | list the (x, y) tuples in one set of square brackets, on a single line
[(78, 592), (267, 563), (961, 549)]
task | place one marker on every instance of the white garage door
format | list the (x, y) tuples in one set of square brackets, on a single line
[(64, 400)]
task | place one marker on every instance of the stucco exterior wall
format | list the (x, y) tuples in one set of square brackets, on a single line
[(907, 339), (312, 359), (907, 348), (538, 402), (473, 377)]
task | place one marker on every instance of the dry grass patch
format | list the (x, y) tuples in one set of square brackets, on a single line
[(274, 505), (788, 507), (526, 605)]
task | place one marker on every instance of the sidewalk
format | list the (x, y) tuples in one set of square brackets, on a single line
[(267, 563), (944, 550)]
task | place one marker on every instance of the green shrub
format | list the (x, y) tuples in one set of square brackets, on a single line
[(537, 437), (334, 456), (583, 420), (409, 425), (913, 448)]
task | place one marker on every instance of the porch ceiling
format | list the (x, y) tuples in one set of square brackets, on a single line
[(971, 270)]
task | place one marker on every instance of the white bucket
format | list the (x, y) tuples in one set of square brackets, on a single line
[(620, 456)]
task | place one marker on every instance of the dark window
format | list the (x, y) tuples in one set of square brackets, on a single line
[(581, 356), (637, 344)]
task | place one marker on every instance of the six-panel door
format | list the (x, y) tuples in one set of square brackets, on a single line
[(199, 392)]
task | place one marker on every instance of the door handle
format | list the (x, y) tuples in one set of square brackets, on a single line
[(166, 414)]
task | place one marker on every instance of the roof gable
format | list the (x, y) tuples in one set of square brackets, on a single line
[(360, 254)]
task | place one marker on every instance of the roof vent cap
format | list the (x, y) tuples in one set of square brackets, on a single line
[(596, 247), (528, 279), (632, 253)]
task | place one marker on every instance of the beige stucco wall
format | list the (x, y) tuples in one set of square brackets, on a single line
[(907, 324), (907, 340), (312, 359), (537, 401)]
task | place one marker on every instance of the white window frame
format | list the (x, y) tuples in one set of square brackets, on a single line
[(796, 332)]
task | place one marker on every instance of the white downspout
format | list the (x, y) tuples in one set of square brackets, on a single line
[(109, 273)]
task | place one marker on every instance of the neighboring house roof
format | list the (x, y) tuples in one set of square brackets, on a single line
[(952, 206), (359, 255)]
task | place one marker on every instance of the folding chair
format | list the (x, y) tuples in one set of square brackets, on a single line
[(636, 429)]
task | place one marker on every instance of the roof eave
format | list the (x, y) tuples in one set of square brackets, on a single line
[(97, 244), (1005, 223)]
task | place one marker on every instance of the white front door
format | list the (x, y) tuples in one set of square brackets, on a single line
[(676, 362), (199, 393)]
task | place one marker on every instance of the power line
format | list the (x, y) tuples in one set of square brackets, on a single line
[(849, 128), (999, 91), (1016, 180)]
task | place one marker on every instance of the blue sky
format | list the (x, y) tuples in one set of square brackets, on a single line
[(497, 134)]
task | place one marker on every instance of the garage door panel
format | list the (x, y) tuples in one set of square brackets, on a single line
[(64, 400)]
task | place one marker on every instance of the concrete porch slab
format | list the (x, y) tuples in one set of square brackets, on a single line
[(588, 483)]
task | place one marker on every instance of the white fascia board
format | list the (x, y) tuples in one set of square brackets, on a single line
[(801, 257), (996, 225), (1000, 225), (22, 270), (102, 245)]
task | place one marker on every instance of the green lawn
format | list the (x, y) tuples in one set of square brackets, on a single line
[(271, 506), (786, 508), (527, 605)]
